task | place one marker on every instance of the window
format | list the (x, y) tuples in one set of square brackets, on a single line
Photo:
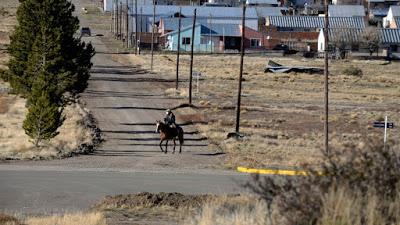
[(186, 41), (204, 40), (255, 42)]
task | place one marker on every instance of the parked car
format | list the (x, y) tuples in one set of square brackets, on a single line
[(85, 31)]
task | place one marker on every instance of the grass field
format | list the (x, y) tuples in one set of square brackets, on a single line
[(282, 114)]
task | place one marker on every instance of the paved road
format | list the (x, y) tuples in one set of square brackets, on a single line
[(46, 191)]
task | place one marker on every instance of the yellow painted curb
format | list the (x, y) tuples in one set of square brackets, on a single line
[(272, 172)]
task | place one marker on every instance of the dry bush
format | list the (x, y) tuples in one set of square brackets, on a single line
[(353, 71), (361, 169), (92, 218), (8, 220), (347, 206), (76, 134), (240, 210)]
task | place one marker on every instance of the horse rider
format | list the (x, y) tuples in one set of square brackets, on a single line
[(170, 118)]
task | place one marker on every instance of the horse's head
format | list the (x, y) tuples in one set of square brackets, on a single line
[(158, 123)]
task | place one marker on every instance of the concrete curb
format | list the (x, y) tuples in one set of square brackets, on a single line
[(272, 171)]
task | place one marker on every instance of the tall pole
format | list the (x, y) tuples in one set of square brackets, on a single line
[(120, 20), (112, 18), (152, 35), (141, 25), (326, 82), (178, 50), (209, 25), (240, 71), (136, 29), (127, 25), (116, 20), (191, 58)]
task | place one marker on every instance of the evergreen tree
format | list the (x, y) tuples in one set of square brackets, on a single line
[(44, 116), (44, 40)]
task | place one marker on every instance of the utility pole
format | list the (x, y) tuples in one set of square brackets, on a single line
[(191, 58), (240, 71), (127, 25), (136, 28), (120, 20), (112, 18), (326, 82), (209, 25), (152, 35), (141, 25), (178, 50), (116, 21)]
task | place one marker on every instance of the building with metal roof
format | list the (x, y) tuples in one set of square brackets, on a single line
[(389, 36), (346, 10), (293, 23), (350, 36), (214, 15)]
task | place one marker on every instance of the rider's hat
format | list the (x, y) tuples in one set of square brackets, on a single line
[(168, 111)]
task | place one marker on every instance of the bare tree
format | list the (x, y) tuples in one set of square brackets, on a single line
[(370, 39), (341, 40)]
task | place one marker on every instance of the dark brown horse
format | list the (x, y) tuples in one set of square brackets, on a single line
[(168, 133)]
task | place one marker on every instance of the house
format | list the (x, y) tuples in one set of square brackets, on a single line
[(214, 38), (351, 38), (378, 9), (348, 38), (301, 32), (221, 15), (169, 24), (346, 11), (392, 18), (390, 39)]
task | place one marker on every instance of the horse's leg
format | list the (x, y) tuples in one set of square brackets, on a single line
[(174, 145), (166, 147), (161, 146)]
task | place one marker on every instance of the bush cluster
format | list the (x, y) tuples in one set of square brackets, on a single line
[(362, 171), (353, 71)]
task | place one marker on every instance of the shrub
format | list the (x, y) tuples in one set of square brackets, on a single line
[(361, 170), (353, 71)]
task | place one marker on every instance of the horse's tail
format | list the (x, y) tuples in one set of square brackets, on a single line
[(180, 135)]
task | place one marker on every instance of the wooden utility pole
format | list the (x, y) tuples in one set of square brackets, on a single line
[(178, 50), (136, 28), (112, 18), (120, 20), (127, 25), (326, 82), (240, 71), (116, 20), (141, 25), (152, 35), (191, 58)]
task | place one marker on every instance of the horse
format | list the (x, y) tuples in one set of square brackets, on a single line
[(168, 133)]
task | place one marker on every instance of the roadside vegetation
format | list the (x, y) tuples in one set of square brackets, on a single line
[(44, 70), (89, 218)]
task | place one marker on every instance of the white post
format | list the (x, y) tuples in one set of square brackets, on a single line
[(384, 137), (197, 86)]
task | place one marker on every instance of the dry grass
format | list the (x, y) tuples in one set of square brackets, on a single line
[(15, 144), (91, 218), (346, 207), (242, 210), (281, 114)]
